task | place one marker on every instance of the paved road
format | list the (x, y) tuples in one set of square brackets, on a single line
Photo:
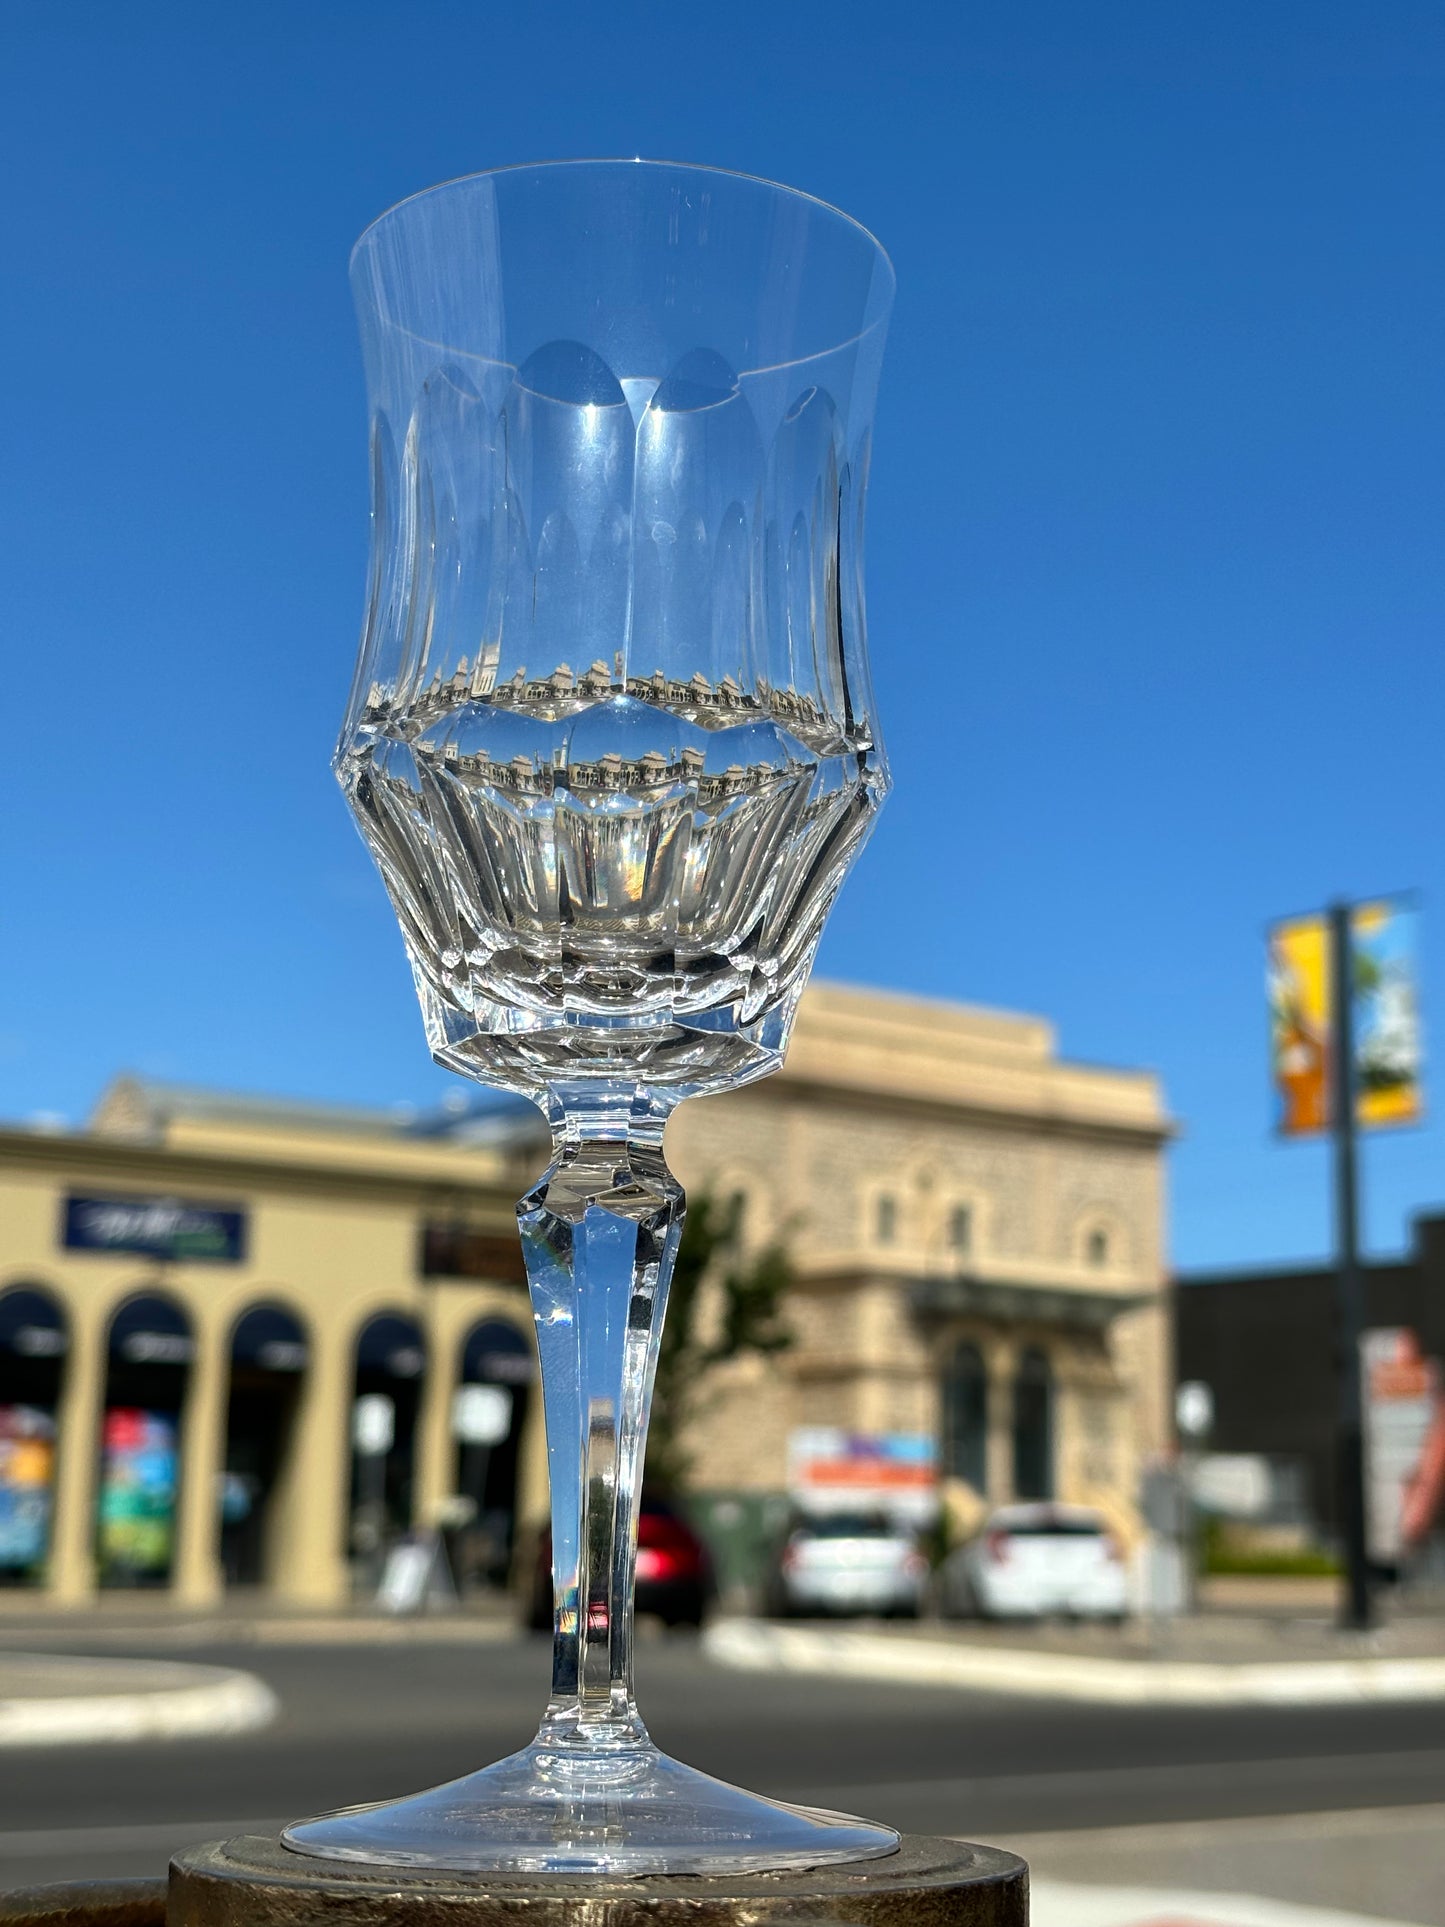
[(363, 1722)]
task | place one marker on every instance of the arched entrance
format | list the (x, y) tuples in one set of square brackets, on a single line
[(33, 1343), (1033, 1426), (390, 1370), (268, 1369), (147, 1369), (965, 1417), (489, 1416)]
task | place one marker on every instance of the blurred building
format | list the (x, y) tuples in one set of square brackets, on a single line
[(1263, 1340), (233, 1331)]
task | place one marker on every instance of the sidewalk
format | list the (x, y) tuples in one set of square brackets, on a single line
[(1234, 1658), (1292, 1870), (58, 1700)]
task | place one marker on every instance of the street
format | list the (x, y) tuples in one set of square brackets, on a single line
[(366, 1720)]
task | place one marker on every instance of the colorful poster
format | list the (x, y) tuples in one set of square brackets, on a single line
[(27, 1471), (833, 1470), (1386, 1022), (137, 1494)]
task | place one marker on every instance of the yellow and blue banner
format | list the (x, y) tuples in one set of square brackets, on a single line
[(1384, 948)]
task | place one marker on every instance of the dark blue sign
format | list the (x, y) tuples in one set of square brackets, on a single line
[(157, 1228)]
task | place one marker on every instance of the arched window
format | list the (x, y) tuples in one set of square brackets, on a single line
[(489, 1413), (960, 1230), (33, 1343), (269, 1355), (1096, 1248), (965, 1417), (390, 1368), (147, 1370), (885, 1218), (1033, 1426)]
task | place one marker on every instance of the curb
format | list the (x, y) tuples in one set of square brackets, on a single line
[(185, 1702), (755, 1646)]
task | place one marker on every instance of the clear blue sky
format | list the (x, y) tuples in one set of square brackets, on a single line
[(1155, 565)]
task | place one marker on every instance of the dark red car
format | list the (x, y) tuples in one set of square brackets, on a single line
[(674, 1573)]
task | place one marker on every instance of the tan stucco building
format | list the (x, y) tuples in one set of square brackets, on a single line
[(976, 1229)]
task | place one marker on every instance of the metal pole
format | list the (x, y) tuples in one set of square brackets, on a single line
[(1356, 1613)]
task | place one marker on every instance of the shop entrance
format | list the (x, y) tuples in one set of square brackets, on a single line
[(390, 1372), (488, 1430), (268, 1369), (148, 1366), (33, 1344)]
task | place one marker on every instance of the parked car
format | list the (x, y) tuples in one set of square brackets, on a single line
[(674, 1573), (1031, 1561), (849, 1562)]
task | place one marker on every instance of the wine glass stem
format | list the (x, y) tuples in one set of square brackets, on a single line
[(600, 1233)]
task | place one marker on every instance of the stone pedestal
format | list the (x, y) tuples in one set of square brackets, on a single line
[(254, 1882)]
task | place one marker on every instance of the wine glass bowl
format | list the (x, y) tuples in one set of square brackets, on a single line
[(612, 743), (612, 738)]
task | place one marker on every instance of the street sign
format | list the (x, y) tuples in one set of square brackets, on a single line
[(373, 1424), (481, 1414), (1194, 1409)]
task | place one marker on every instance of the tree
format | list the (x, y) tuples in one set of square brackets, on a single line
[(749, 1318)]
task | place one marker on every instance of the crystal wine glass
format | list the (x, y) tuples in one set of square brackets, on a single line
[(612, 744)]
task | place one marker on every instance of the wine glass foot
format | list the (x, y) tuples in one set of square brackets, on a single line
[(551, 1810)]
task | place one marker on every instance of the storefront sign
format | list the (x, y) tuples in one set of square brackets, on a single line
[(1403, 1408), (170, 1228), (832, 1470)]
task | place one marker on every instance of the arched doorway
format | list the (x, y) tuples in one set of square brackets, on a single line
[(147, 1369), (33, 1343), (965, 1417), (489, 1415), (1033, 1426), (390, 1370), (268, 1369)]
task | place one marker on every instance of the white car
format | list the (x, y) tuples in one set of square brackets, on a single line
[(1031, 1561), (849, 1563)]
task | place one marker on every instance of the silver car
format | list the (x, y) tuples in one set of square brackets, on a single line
[(1031, 1561), (849, 1562)]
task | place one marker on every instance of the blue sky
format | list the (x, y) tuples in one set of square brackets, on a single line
[(1155, 534)]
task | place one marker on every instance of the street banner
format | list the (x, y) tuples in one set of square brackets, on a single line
[(1386, 1024), (1385, 940)]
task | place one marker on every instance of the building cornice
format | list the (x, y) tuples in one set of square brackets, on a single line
[(1021, 1116), (488, 1199)]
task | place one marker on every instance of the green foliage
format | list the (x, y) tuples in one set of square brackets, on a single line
[(751, 1287), (1222, 1556)]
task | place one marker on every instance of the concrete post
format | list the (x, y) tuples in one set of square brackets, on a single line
[(196, 1579), (1001, 1361), (435, 1450), (307, 1534)]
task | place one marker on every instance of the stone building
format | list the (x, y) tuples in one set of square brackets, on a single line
[(197, 1290)]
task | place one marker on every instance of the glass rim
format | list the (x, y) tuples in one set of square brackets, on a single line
[(602, 161)]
